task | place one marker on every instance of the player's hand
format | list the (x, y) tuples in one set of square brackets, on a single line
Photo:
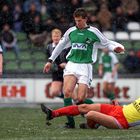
[(62, 65), (47, 67), (119, 49)]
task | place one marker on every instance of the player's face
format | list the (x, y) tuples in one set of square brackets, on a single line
[(106, 50), (56, 38), (80, 22)]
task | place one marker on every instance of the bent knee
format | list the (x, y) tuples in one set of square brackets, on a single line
[(90, 115)]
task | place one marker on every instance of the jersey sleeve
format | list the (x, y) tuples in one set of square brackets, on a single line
[(63, 43), (104, 42)]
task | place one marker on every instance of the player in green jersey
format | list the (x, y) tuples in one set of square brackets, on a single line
[(84, 41), (108, 68)]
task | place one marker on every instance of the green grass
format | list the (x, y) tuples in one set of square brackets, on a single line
[(29, 124)]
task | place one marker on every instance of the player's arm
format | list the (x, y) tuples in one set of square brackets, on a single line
[(104, 42), (58, 49)]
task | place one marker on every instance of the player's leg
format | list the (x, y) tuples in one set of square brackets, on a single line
[(68, 89), (56, 88), (84, 82), (111, 93), (110, 84), (72, 110), (105, 88), (81, 92), (102, 119)]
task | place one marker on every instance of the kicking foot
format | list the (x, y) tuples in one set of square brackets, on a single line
[(47, 111)]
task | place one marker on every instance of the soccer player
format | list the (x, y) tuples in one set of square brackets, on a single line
[(108, 68), (57, 72), (1, 61), (84, 41), (57, 68), (107, 115)]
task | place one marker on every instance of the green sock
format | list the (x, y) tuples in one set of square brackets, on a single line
[(67, 102), (110, 95), (88, 101)]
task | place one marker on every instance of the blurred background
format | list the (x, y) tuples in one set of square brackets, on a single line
[(27, 24)]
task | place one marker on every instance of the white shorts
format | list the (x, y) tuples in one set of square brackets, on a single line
[(108, 77), (83, 72)]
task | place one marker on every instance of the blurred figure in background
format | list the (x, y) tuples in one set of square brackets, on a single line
[(37, 34), (108, 67), (9, 40), (131, 62), (6, 16), (17, 18), (104, 17)]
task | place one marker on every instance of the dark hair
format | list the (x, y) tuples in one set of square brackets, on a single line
[(80, 12)]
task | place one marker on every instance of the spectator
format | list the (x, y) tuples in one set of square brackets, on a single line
[(28, 3), (37, 34), (131, 9), (104, 17), (9, 40), (29, 17), (43, 11), (6, 16), (49, 24), (119, 20), (92, 19), (131, 61), (57, 9), (17, 17)]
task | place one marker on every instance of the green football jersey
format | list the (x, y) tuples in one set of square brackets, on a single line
[(82, 45), (108, 61)]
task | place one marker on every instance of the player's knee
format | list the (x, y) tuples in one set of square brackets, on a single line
[(67, 92), (89, 115)]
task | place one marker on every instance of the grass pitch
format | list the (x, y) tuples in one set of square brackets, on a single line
[(29, 124)]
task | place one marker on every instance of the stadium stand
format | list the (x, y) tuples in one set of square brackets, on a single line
[(32, 59), (133, 26), (109, 34)]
